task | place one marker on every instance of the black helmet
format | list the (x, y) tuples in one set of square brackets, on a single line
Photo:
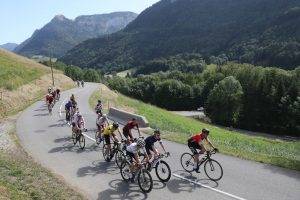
[(205, 130), (116, 125), (99, 101), (157, 131)]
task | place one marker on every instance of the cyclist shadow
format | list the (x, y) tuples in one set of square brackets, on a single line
[(178, 185), (122, 190), (97, 167), (41, 114)]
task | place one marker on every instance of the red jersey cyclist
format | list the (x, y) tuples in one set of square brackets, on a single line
[(196, 142), (127, 130)]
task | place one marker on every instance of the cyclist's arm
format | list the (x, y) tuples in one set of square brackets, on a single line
[(146, 155), (209, 142), (154, 149), (137, 127), (120, 134), (162, 146)]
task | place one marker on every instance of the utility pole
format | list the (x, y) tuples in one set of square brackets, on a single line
[(51, 71)]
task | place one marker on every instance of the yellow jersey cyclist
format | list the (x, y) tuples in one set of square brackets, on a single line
[(109, 133)]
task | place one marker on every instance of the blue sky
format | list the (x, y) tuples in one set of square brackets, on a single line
[(20, 18)]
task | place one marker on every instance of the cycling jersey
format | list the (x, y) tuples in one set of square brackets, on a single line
[(130, 125), (49, 98), (110, 130), (132, 148), (101, 121), (197, 138), (150, 141), (76, 122), (68, 106)]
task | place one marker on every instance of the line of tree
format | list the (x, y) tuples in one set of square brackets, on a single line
[(76, 73), (238, 95)]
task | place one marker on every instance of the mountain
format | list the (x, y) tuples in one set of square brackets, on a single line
[(9, 46), (61, 34), (261, 32)]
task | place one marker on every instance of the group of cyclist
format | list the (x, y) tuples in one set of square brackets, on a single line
[(80, 83), (133, 145), (53, 95)]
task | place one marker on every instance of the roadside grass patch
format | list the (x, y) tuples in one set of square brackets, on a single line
[(21, 178), (17, 70), (179, 129)]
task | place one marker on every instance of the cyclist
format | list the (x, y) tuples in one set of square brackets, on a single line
[(57, 94), (49, 101), (109, 132), (82, 83), (132, 151), (100, 122), (72, 97), (68, 108), (127, 129), (150, 144), (78, 83), (98, 107), (78, 122), (196, 142)]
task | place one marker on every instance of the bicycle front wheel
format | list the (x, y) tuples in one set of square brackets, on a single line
[(213, 170), (106, 153), (81, 141), (163, 171), (74, 138), (119, 157), (145, 181), (187, 162), (125, 170)]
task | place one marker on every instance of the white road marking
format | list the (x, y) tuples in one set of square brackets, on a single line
[(208, 187), (89, 137)]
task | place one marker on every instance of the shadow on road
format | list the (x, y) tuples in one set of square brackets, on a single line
[(40, 115), (98, 167), (122, 190)]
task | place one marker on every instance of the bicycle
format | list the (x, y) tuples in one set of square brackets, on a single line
[(115, 151), (162, 169), (212, 168), (143, 176), (78, 137)]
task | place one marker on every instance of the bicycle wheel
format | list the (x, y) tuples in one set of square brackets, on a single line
[(213, 170), (98, 137), (125, 170), (74, 138), (81, 141), (106, 153), (145, 181), (119, 157), (163, 171), (187, 162)]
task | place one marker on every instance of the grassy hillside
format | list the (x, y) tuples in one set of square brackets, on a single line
[(17, 70), (179, 129), (24, 81)]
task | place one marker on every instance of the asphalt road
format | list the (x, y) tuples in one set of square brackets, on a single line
[(47, 138)]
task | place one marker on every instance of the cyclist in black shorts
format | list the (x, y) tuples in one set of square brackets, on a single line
[(150, 144)]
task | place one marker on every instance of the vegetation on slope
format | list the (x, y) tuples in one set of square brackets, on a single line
[(179, 129)]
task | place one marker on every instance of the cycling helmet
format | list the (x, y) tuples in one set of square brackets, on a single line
[(79, 114), (116, 125), (104, 116), (99, 101), (140, 142), (205, 130), (157, 131)]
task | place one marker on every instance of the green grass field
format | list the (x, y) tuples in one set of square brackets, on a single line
[(17, 70), (179, 129)]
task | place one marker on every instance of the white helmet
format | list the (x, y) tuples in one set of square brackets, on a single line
[(104, 116), (140, 142)]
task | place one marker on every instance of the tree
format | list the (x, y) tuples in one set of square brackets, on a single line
[(224, 101)]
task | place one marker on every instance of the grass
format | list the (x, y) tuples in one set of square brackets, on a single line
[(179, 129), (22, 178), (17, 70)]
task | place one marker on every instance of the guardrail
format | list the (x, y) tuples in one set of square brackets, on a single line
[(127, 116)]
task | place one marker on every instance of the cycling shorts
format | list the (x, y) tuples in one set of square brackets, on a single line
[(194, 146)]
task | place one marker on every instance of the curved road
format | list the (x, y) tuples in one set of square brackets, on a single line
[(48, 140)]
